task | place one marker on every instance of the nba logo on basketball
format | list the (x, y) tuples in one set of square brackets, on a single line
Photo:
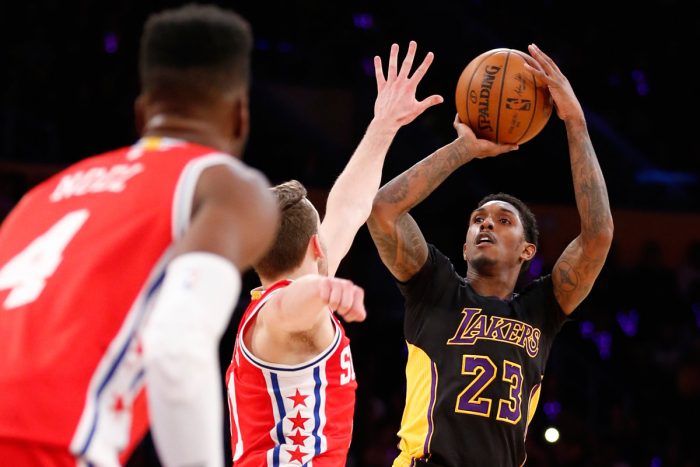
[(482, 98), (515, 103)]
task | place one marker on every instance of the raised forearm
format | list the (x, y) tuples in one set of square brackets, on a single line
[(579, 265), (411, 187), (354, 190), (589, 184), (399, 241)]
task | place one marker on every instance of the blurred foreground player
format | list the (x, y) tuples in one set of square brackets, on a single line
[(123, 270)]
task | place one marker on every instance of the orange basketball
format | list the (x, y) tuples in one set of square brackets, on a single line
[(500, 100)]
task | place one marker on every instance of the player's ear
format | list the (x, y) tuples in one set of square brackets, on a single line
[(240, 123), (140, 114), (528, 251), (315, 245)]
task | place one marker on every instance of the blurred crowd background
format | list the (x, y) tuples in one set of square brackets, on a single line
[(622, 386)]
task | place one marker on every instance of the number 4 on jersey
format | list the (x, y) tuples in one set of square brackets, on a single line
[(27, 272)]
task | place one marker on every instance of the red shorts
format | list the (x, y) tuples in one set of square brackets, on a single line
[(26, 454)]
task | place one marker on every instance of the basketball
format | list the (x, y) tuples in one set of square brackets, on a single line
[(500, 99)]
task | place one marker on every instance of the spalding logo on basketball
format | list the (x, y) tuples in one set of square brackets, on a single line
[(500, 100)]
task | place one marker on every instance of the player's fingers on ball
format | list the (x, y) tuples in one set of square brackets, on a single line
[(529, 60), (536, 71), (544, 59)]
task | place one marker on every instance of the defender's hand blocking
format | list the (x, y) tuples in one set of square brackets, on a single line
[(396, 102), (345, 298)]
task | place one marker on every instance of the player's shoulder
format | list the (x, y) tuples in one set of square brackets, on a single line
[(440, 264), (537, 285)]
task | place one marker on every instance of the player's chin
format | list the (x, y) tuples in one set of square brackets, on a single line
[(484, 259)]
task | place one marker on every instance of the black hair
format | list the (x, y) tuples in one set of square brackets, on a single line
[(532, 233), (194, 50)]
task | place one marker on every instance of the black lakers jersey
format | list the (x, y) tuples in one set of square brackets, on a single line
[(474, 369)]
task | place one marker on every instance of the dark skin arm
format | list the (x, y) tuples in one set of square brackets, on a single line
[(396, 234), (234, 215), (581, 262)]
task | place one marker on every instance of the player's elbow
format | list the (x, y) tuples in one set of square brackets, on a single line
[(383, 221), (383, 213), (599, 241)]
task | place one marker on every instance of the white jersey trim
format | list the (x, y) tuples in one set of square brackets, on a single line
[(265, 365), (186, 185), (233, 410), (100, 435)]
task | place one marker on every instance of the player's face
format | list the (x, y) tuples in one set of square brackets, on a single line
[(495, 236)]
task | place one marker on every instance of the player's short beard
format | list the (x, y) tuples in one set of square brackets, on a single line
[(481, 263)]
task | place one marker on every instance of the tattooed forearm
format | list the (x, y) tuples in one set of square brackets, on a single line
[(415, 184), (397, 236), (589, 184), (574, 275), (411, 249), (400, 244), (579, 265), (384, 240)]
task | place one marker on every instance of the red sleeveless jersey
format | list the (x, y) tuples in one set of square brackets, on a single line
[(287, 415), (80, 257)]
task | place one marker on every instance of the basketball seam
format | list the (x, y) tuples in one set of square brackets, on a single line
[(534, 110), (469, 86), (500, 98)]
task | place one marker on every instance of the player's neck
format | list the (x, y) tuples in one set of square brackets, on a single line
[(305, 268), (498, 285), (186, 128)]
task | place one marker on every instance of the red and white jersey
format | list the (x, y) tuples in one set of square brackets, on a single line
[(287, 415), (81, 256)]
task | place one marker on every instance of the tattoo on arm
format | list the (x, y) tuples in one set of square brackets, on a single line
[(402, 247), (589, 185), (574, 274), (581, 262), (397, 236), (566, 276), (417, 183)]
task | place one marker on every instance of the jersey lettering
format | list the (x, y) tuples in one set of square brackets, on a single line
[(26, 273), (346, 364), (475, 326), (469, 401), (95, 180)]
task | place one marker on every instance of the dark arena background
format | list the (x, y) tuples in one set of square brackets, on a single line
[(622, 386)]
